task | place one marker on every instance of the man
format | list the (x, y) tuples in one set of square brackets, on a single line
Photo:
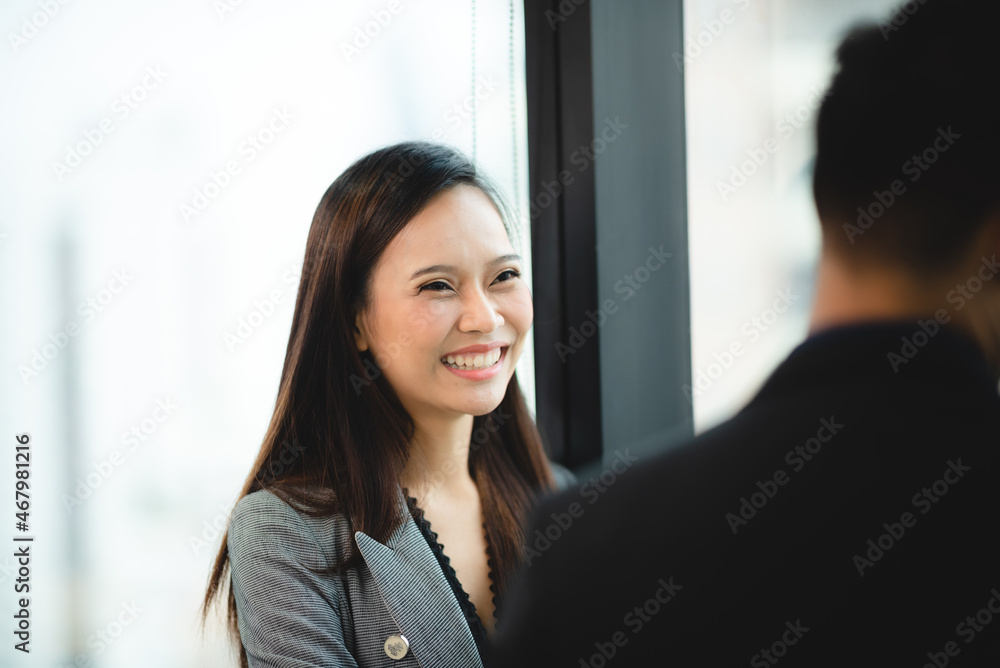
[(848, 515)]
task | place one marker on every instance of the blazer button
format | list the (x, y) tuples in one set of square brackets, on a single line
[(396, 646)]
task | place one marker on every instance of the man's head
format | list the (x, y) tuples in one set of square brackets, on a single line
[(908, 138), (907, 174)]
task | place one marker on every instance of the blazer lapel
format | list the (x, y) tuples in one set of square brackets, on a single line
[(419, 597)]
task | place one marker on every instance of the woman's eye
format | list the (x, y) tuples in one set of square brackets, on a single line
[(510, 274), (441, 287)]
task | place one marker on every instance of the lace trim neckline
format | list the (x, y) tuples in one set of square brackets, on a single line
[(466, 603)]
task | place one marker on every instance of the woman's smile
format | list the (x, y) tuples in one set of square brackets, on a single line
[(476, 365)]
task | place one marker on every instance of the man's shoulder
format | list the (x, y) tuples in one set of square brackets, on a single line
[(843, 436)]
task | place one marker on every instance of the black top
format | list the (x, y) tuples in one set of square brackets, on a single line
[(846, 517), (479, 633)]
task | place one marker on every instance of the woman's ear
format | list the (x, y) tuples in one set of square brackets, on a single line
[(360, 332)]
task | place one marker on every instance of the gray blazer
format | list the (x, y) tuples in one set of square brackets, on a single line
[(289, 617)]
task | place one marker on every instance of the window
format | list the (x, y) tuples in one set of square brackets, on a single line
[(164, 161), (755, 73)]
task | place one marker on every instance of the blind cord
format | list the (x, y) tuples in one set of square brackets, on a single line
[(474, 100)]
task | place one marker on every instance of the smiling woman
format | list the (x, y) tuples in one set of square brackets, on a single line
[(467, 313), (412, 283)]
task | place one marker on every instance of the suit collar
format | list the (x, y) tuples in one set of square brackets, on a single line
[(419, 597), (878, 353)]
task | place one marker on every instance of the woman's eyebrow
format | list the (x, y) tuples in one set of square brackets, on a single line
[(450, 268)]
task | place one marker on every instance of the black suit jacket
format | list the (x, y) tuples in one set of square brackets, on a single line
[(848, 516)]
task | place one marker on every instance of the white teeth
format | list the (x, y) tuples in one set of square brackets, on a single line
[(474, 361)]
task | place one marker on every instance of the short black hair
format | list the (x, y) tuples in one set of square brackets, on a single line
[(908, 137)]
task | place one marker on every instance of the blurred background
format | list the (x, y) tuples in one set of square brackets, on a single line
[(752, 93), (162, 162)]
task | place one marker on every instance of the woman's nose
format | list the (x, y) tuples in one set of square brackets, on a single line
[(479, 314)]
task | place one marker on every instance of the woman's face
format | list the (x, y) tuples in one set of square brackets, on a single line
[(448, 312)]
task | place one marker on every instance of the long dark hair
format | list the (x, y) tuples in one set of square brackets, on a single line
[(339, 437)]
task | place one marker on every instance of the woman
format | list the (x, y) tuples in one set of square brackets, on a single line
[(381, 521)]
